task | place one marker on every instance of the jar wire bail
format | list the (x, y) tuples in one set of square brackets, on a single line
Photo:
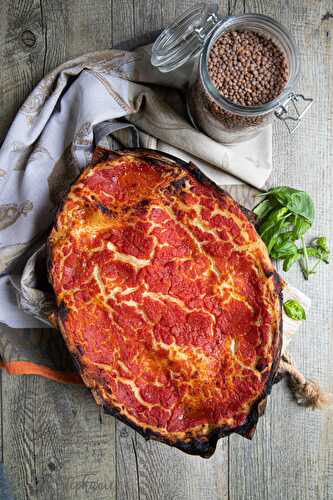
[(296, 115), (204, 30)]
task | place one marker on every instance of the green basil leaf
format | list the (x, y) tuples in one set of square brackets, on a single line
[(272, 236), (288, 236), (321, 242), (282, 194), (301, 226), (290, 261), (273, 218), (263, 208), (317, 253), (294, 310), (272, 242), (323, 255), (285, 249), (298, 202), (278, 241)]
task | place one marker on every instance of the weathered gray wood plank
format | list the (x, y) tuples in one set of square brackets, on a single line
[(1, 419), (167, 473), (236, 7), (122, 21), (291, 454), (56, 445), (21, 55), (21, 60), (3, 29), (74, 28)]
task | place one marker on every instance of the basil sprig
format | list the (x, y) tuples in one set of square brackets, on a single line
[(294, 310), (284, 216)]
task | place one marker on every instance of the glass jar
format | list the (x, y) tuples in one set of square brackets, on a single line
[(191, 38)]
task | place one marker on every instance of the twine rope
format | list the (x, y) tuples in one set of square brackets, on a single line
[(305, 391)]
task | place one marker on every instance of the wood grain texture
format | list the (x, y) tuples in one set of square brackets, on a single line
[(291, 455), (236, 7), (21, 55), (166, 473), (1, 419), (56, 443), (74, 28), (122, 21)]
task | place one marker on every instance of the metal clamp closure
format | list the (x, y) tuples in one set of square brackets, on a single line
[(209, 25), (282, 113)]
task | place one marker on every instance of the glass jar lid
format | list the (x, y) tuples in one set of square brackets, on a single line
[(184, 38)]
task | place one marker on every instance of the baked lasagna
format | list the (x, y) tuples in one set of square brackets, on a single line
[(166, 298)]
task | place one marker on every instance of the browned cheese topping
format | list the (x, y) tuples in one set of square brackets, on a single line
[(167, 298)]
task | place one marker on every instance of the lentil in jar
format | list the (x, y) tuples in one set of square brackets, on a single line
[(247, 69)]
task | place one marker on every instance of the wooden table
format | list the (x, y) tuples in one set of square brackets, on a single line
[(55, 442)]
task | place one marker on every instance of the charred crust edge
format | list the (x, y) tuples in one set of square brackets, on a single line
[(252, 218), (62, 311), (204, 447)]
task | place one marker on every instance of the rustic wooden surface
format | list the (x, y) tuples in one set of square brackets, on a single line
[(55, 443)]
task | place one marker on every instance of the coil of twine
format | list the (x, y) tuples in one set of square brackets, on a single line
[(306, 392)]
